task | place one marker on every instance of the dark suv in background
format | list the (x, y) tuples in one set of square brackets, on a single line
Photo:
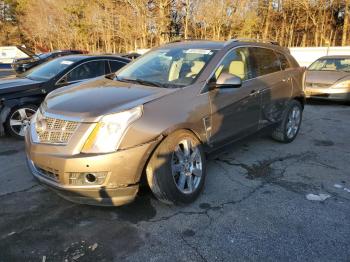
[(21, 65), (91, 143)]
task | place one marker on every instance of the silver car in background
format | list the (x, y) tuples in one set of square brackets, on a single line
[(329, 78)]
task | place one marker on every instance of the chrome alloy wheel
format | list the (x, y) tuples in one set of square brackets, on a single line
[(186, 166), (293, 123), (20, 119)]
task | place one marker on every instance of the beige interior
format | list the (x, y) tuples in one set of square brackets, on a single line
[(237, 68), (175, 68), (196, 68)]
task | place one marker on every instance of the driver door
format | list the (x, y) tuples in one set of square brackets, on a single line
[(235, 111)]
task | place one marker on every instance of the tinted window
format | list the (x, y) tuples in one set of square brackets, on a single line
[(237, 62), (283, 61), (115, 65), (265, 61), (87, 70)]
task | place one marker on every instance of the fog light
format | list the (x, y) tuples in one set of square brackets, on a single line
[(90, 178), (81, 179)]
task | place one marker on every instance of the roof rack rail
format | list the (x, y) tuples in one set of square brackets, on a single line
[(254, 40), (186, 39)]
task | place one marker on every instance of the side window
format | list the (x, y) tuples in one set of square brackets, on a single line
[(87, 70), (283, 61), (237, 62), (265, 61), (115, 65)]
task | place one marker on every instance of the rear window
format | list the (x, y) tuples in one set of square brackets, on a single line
[(265, 61), (115, 65)]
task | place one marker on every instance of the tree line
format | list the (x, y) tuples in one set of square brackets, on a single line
[(123, 25)]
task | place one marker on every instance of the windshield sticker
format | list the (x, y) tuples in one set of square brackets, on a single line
[(66, 62), (198, 51)]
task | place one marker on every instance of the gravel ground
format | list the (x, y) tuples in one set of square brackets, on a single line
[(254, 206)]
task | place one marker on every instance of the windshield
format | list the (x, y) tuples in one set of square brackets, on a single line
[(175, 67), (48, 70), (331, 64)]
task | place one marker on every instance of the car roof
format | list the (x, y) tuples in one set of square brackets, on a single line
[(199, 44), (218, 45), (77, 58)]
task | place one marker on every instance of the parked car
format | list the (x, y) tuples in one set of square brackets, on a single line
[(21, 96), (132, 56), (21, 65), (159, 117), (329, 78)]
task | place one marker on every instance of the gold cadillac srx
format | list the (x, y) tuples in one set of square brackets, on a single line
[(92, 142)]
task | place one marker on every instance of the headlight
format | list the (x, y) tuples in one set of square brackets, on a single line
[(345, 84), (108, 133)]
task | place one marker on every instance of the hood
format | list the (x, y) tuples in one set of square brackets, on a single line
[(91, 100), (16, 84), (326, 77)]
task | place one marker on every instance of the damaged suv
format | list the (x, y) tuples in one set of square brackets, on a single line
[(159, 117)]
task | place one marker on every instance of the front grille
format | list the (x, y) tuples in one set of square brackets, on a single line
[(317, 85), (55, 131), (50, 173)]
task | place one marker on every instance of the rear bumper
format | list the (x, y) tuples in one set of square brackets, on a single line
[(328, 93), (124, 169)]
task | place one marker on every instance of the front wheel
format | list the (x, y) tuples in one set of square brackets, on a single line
[(177, 169), (18, 119), (289, 128)]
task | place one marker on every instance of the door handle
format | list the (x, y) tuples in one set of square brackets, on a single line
[(254, 92)]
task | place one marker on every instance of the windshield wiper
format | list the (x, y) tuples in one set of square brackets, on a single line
[(140, 81)]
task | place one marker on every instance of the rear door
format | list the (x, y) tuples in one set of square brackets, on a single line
[(277, 88)]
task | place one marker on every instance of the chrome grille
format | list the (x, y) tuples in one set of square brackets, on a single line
[(55, 131)]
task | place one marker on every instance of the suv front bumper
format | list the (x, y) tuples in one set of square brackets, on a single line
[(124, 169)]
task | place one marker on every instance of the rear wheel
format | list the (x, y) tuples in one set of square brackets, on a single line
[(18, 119), (289, 128), (176, 171)]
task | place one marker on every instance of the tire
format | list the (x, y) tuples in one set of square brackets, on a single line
[(282, 132), (174, 176), (18, 118)]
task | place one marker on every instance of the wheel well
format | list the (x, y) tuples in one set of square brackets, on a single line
[(143, 177), (301, 100)]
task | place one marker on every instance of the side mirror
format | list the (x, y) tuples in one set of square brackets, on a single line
[(227, 80)]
